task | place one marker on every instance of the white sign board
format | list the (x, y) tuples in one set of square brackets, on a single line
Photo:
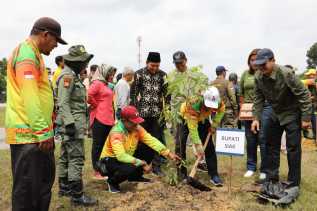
[(230, 141)]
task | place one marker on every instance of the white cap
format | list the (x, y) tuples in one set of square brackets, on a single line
[(212, 97)]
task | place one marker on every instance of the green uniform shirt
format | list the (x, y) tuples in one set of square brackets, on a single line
[(285, 92), (71, 100), (227, 93), (247, 84)]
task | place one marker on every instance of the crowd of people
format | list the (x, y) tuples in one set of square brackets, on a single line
[(124, 118)]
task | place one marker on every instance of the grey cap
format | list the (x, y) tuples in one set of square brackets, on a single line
[(263, 56), (179, 56)]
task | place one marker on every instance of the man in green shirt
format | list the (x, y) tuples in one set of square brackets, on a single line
[(179, 83), (292, 106)]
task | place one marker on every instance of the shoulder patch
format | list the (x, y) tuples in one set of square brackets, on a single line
[(67, 79)]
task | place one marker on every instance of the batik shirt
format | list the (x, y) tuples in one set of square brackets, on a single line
[(148, 91)]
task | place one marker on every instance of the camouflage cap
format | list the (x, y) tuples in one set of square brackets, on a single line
[(78, 53)]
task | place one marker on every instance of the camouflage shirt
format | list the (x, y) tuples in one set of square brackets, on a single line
[(285, 92)]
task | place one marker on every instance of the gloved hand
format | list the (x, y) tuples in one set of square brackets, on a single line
[(70, 130)]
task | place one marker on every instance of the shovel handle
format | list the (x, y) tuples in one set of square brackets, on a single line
[(194, 169)]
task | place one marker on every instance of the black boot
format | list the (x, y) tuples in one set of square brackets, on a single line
[(78, 196), (64, 189)]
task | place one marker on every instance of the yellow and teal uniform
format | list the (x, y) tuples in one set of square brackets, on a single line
[(121, 144)]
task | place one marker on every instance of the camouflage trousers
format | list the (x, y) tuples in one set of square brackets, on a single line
[(71, 160), (229, 120)]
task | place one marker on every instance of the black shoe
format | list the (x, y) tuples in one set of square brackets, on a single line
[(157, 171), (202, 167), (64, 189), (113, 188), (139, 179), (83, 200)]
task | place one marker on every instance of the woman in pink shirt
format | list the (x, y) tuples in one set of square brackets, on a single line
[(100, 98)]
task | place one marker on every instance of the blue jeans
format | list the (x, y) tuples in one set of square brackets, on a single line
[(253, 140)]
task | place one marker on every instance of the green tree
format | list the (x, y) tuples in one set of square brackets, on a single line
[(312, 56), (3, 78)]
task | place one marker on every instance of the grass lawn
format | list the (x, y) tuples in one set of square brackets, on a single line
[(2, 116), (239, 200)]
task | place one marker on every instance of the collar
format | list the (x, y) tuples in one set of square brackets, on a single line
[(68, 70), (122, 127), (273, 74)]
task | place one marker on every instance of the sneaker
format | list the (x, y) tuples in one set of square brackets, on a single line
[(216, 181), (113, 188), (97, 176), (140, 179), (262, 176), (249, 173), (202, 167)]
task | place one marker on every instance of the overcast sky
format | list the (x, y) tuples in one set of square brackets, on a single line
[(211, 33)]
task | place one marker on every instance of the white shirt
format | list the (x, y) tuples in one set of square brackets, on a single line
[(122, 92)]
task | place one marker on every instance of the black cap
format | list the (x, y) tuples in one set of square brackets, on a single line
[(220, 69), (50, 25), (179, 56), (154, 57), (263, 56)]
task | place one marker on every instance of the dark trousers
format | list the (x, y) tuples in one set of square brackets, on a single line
[(33, 173), (153, 126), (259, 139), (99, 135), (293, 146), (210, 153), (119, 172)]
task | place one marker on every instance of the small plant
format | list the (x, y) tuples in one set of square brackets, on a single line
[(183, 87), (172, 178)]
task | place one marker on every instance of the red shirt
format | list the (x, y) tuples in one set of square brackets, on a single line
[(100, 98)]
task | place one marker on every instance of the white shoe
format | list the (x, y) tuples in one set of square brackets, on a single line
[(249, 173), (262, 176)]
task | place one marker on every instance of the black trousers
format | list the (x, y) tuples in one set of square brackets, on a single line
[(33, 173), (152, 125), (99, 135), (210, 153), (119, 172), (293, 146)]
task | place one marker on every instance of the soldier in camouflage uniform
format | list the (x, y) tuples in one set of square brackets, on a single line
[(72, 108), (227, 94)]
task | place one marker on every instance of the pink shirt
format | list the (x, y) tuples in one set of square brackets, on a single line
[(100, 98)]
